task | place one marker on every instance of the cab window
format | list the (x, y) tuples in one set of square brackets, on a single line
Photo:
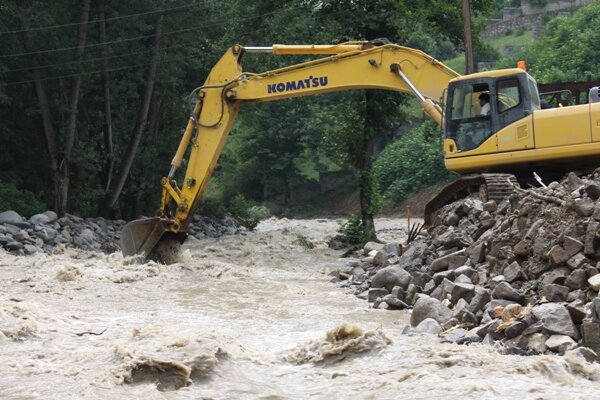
[(470, 116), (509, 95)]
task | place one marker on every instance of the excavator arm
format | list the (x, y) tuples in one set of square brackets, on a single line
[(363, 65)]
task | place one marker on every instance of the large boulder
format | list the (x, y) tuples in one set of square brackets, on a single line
[(13, 218), (391, 276), (428, 307), (556, 319)]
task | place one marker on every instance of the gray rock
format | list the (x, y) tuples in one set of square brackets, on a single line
[(13, 218), (555, 319), (463, 291), (30, 249), (39, 219), (13, 246), (594, 282), (381, 258), (513, 272), (584, 207), (503, 290), (577, 311), (480, 299), (370, 246), (428, 325), (53, 217), (464, 270), (577, 280), (515, 329), (455, 335), (572, 246), (428, 307), (443, 262), (537, 342), (477, 253), (420, 278), (394, 303), (453, 238), (463, 279), (557, 255), (440, 276), (556, 293), (392, 249), (577, 261), (391, 276), (375, 293), (560, 342)]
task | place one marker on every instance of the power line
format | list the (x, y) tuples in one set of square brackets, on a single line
[(41, 28), (87, 73), (90, 59), (131, 39)]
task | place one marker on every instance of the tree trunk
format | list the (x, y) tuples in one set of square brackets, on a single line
[(116, 186), (109, 157), (61, 178), (364, 164)]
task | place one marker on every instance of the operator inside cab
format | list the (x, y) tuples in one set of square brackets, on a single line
[(484, 103)]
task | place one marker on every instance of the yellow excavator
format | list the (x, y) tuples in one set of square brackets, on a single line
[(495, 130)]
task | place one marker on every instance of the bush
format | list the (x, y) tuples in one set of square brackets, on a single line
[(411, 163), (354, 230), (247, 212), (22, 201)]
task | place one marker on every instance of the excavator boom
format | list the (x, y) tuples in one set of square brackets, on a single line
[(360, 65)]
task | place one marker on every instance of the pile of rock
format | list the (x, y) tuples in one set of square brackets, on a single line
[(523, 273), (44, 232)]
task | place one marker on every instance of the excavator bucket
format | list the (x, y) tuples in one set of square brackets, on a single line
[(142, 235)]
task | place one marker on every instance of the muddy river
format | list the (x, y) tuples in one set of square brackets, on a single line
[(241, 317)]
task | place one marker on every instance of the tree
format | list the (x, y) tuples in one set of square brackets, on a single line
[(568, 49)]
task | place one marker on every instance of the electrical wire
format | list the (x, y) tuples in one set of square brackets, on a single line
[(41, 28), (91, 59), (29, 53), (49, 78)]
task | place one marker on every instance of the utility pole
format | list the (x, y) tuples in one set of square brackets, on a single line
[(466, 13)]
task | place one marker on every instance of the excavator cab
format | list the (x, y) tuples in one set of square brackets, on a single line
[(480, 105)]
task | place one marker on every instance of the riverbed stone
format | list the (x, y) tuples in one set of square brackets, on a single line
[(13, 218), (594, 282), (505, 291), (375, 293), (391, 276), (556, 293), (428, 325), (556, 319), (560, 342), (428, 307)]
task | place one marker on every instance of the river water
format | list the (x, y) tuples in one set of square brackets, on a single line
[(241, 317)]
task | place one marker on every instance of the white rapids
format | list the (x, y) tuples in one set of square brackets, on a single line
[(240, 317)]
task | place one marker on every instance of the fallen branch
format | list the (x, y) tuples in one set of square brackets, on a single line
[(90, 333), (550, 199)]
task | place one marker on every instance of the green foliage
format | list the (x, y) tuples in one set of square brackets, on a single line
[(411, 163), (354, 230), (248, 213), (22, 201), (568, 49)]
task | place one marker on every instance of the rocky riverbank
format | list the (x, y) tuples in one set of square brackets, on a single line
[(522, 273), (46, 232)]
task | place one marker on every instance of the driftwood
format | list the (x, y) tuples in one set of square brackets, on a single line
[(90, 333), (549, 199)]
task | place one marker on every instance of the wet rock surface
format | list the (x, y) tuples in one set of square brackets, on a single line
[(46, 232), (523, 273)]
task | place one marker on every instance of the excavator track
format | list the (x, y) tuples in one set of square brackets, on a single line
[(486, 186)]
